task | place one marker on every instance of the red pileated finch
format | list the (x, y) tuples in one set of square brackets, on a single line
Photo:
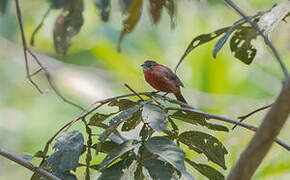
[(162, 79)]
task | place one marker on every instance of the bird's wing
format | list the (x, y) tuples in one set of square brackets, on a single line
[(170, 75)]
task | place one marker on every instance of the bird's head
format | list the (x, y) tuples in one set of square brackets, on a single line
[(149, 65)]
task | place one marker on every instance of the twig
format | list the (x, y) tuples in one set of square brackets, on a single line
[(127, 86), (39, 26), (225, 119), (242, 118), (28, 165), (25, 50), (19, 17), (266, 39)]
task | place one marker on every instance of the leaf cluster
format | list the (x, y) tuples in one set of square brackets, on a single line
[(155, 151)]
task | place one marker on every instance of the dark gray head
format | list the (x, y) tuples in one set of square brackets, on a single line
[(149, 65)]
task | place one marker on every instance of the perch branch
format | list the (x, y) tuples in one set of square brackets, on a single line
[(28, 165), (25, 50)]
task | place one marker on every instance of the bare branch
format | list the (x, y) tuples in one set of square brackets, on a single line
[(242, 118), (266, 39), (262, 141), (28, 165), (25, 50)]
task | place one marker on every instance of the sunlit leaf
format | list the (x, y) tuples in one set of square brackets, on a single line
[(133, 122), (159, 170), (207, 171), (67, 25), (122, 104), (133, 12), (241, 46), (209, 145), (104, 7), (197, 119), (117, 152), (69, 146), (156, 7), (155, 116), (167, 150)]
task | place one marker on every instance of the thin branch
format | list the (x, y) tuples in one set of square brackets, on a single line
[(266, 39), (127, 86), (25, 50), (242, 118), (19, 17), (263, 139), (227, 120), (28, 165), (39, 26)]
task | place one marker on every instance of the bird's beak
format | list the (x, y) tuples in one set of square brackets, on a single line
[(143, 65)]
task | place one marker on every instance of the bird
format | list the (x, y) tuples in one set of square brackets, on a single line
[(162, 79)]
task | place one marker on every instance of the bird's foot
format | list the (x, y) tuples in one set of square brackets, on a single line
[(164, 95)]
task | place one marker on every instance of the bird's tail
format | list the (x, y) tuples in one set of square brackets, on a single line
[(179, 97)]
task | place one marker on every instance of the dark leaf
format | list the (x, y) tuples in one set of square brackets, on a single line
[(66, 158), (3, 6), (167, 150), (106, 146), (130, 171), (97, 118), (195, 118), (220, 43), (241, 46), (156, 7), (138, 175), (145, 132), (67, 25), (118, 119), (201, 39), (208, 171), (170, 6), (133, 12), (155, 116), (57, 4), (159, 170), (209, 145), (117, 152), (133, 122), (115, 171), (122, 104), (104, 7)]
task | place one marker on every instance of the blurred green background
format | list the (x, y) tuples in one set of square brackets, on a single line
[(93, 70)]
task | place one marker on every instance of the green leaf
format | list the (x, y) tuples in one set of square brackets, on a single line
[(104, 7), (156, 7), (197, 119), (115, 171), (208, 171), (130, 171), (167, 150), (241, 46), (117, 152), (159, 170), (133, 12), (138, 175), (67, 25), (97, 118), (123, 104), (106, 146), (155, 116), (210, 146), (66, 158), (133, 122)]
